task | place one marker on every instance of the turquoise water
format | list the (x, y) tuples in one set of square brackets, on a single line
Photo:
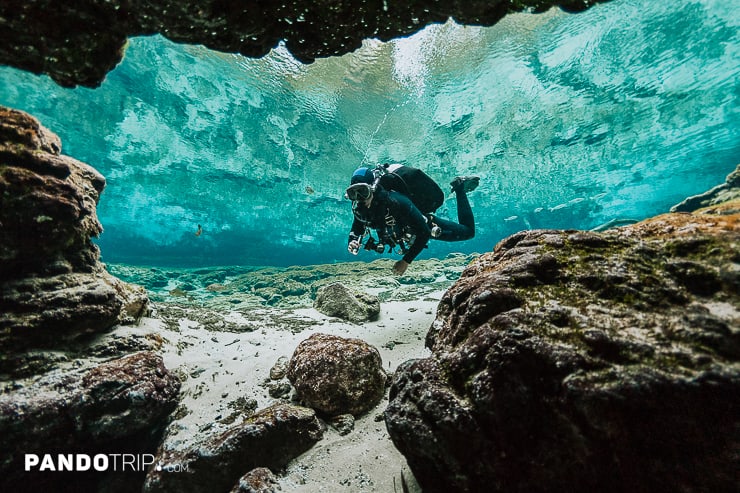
[(571, 120)]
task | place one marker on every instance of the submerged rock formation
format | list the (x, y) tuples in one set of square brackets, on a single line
[(57, 396), (337, 300), (52, 285), (80, 41), (267, 439), (726, 192), (336, 375), (259, 480), (581, 361), (118, 407)]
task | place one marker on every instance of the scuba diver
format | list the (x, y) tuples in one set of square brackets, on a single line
[(398, 202)]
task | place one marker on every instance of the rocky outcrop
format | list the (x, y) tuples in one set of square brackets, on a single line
[(295, 287), (49, 202), (55, 296), (337, 300), (267, 439), (724, 193), (117, 407), (336, 375), (580, 361), (53, 287), (80, 41)]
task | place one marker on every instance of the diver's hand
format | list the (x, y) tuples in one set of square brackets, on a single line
[(400, 267), (353, 247)]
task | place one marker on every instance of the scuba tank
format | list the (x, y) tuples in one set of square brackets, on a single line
[(423, 191)]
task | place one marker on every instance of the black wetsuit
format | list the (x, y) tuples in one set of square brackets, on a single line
[(393, 213), (464, 228)]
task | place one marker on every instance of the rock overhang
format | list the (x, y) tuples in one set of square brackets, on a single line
[(80, 41)]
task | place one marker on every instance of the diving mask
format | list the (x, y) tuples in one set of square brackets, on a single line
[(359, 191)]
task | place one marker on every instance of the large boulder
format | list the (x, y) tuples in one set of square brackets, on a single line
[(337, 300), (120, 406), (336, 375), (80, 41), (52, 285), (268, 439), (576, 361)]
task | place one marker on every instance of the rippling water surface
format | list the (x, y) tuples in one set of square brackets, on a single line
[(571, 121)]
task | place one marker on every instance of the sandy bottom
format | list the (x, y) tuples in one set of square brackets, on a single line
[(225, 370)]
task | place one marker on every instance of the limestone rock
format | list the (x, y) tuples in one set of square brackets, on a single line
[(270, 438), (259, 480), (48, 37), (279, 390), (52, 284), (120, 406), (280, 368), (253, 287), (139, 383), (47, 311), (336, 375), (344, 423), (336, 300), (48, 199), (580, 361), (727, 191)]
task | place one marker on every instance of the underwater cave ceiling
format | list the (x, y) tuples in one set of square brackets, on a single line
[(79, 42)]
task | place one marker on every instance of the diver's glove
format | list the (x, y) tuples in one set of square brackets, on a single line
[(353, 246)]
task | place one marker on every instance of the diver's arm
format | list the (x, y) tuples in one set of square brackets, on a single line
[(357, 229), (355, 236), (400, 267)]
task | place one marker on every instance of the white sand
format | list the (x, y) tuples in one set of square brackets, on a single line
[(220, 367)]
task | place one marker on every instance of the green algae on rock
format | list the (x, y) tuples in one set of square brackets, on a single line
[(612, 358)]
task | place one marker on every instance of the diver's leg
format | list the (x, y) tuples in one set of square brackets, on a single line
[(452, 231), (464, 229), (464, 211)]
